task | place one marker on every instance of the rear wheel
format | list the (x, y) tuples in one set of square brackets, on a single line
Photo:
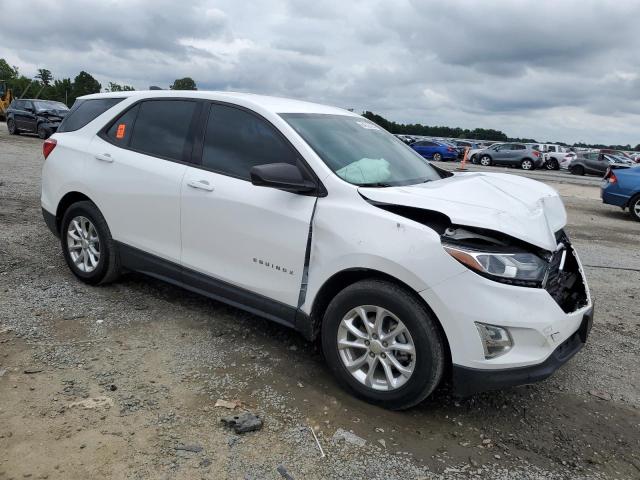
[(526, 164), (11, 126), (634, 207), (577, 169), (485, 160), (383, 344), (437, 157), (87, 245)]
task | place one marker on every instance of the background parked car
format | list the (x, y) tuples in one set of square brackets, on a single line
[(435, 150), (473, 153), (35, 116), (462, 145), (520, 155), (595, 163), (621, 187), (555, 155)]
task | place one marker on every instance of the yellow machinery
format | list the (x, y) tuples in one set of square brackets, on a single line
[(6, 96)]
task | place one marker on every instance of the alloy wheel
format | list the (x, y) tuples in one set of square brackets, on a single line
[(376, 347), (526, 164), (83, 244), (636, 208), (485, 161), (437, 157)]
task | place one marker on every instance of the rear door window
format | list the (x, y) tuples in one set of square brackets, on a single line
[(120, 131), (162, 129), (85, 111)]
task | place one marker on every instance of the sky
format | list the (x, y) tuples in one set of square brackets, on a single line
[(552, 70)]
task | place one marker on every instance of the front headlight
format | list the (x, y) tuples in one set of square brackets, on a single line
[(518, 268)]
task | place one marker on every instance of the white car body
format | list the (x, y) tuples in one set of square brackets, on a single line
[(284, 247)]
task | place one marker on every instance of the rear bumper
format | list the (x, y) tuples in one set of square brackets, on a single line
[(613, 198), (50, 220), (467, 381)]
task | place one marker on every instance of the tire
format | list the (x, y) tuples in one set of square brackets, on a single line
[(552, 164), (474, 159), (634, 207), (437, 157), (428, 358), (107, 267), (11, 126), (527, 164), (43, 132), (577, 169), (485, 161)]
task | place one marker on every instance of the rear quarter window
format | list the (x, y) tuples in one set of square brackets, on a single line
[(84, 111)]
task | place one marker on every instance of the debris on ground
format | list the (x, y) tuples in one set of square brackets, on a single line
[(189, 448), (93, 403), (348, 437), (231, 405), (283, 472), (602, 395), (30, 371), (243, 423)]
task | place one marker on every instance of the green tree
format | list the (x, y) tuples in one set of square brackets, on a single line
[(60, 91), (7, 72), (186, 83), (45, 76), (115, 87), (83, 84)]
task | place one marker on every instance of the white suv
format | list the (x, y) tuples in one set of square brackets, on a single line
[(318, 219)]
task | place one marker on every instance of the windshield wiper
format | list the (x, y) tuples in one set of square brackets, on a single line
[(375, 184)]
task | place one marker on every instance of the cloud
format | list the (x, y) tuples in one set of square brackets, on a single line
[(536, 68)]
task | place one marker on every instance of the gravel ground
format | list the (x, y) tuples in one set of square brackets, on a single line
[(121, 381)]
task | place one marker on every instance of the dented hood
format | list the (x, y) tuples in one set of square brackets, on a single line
[(518, 206)]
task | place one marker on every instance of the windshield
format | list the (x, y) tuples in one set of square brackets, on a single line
[(359, 151), (46, 105)]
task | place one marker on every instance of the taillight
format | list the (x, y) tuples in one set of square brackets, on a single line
[(450, 149), (610, 176), (536, 153), (48, 146)]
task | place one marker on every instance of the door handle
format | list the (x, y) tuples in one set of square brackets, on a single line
[(201, 184), (104, 157)]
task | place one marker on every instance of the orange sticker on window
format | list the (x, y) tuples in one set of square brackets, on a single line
[(120, 131)]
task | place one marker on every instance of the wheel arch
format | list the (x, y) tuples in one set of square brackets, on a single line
[(66, 201), (339, 281)]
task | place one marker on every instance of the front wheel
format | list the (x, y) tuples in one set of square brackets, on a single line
[(43, 132), (485, 160), (88, 248), (383, 344), (437, 157), (11, 126), (552, 164), (526, 164), (634, 207)]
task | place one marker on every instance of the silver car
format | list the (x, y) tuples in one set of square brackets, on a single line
[(520, 155)]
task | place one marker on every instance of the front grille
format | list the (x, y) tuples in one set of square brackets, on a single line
[(564, 280)]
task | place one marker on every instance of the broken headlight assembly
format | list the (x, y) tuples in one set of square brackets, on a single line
[(498, 261)]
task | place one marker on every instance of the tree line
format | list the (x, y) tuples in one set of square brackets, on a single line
[(475, 134), (65, 90)]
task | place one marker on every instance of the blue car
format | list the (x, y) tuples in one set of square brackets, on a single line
[(435, 150), (621, 187)]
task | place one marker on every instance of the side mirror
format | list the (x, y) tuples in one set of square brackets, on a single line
[(282, 176)]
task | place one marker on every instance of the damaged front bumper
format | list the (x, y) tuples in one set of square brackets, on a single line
[(468, 381)]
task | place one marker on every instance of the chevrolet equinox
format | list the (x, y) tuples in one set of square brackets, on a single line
[(318, 219)]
